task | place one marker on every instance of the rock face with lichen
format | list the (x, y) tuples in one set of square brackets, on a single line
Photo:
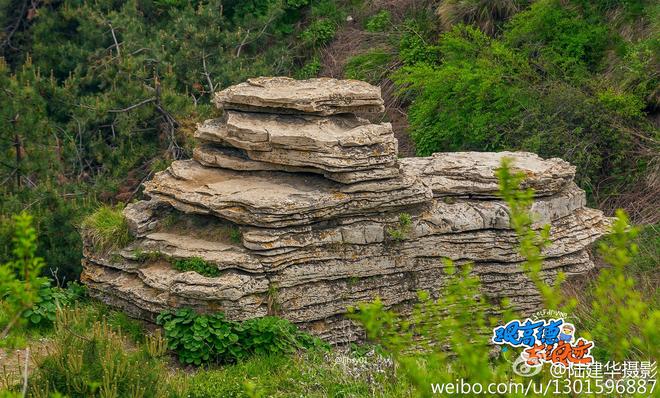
[(304, 209)]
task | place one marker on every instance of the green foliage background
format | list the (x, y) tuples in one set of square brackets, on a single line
[(74, 68)]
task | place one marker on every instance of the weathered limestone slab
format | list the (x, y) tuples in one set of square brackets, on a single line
[(333, 143), (473, 173), (321, 96), (305, 210), (275, 199), (158, 287), (233, 159), (442, 217)]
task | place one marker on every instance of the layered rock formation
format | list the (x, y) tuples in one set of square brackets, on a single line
[(305, 210)]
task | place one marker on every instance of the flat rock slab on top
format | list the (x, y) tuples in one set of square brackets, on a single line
[(321, 96), (474, 173)]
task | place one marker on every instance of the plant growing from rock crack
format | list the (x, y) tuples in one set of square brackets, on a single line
[(403, 229), (198, 265), (273, 304), (148, 256), (235, 235)]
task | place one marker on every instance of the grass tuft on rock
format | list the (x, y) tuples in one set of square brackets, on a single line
[(198, 265), (107, 228)]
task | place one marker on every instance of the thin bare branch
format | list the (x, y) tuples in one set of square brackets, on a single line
[(148, 100), (114, 38)]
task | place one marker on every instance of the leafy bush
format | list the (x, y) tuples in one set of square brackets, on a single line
[(490, 94), (19, 278), (469, 99), (626, 321), (199, 339), (310, 69), (415, 48), (107, 228), (50, 300), (319, 32), (564, 42), (198, 265), (379, 22)]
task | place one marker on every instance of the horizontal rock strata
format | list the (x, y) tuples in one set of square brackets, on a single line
[(305, 210), (322, 96)]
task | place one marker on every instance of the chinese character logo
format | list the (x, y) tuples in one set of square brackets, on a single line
[(544, 341)]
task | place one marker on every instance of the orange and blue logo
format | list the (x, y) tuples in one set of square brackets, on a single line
[(544, 341)]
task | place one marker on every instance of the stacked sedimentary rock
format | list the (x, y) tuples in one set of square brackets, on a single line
[(305, 210)]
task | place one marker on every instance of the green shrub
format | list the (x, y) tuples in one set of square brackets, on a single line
[(310, 69), (87, 358), (463, 104), (563, 41), (626, 322), (488, 94), (627, 106), (199, 339), (379, 22), (50, 300), (19, 278), (197, 264), (415, 48), (107, 228), (319, 32)]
